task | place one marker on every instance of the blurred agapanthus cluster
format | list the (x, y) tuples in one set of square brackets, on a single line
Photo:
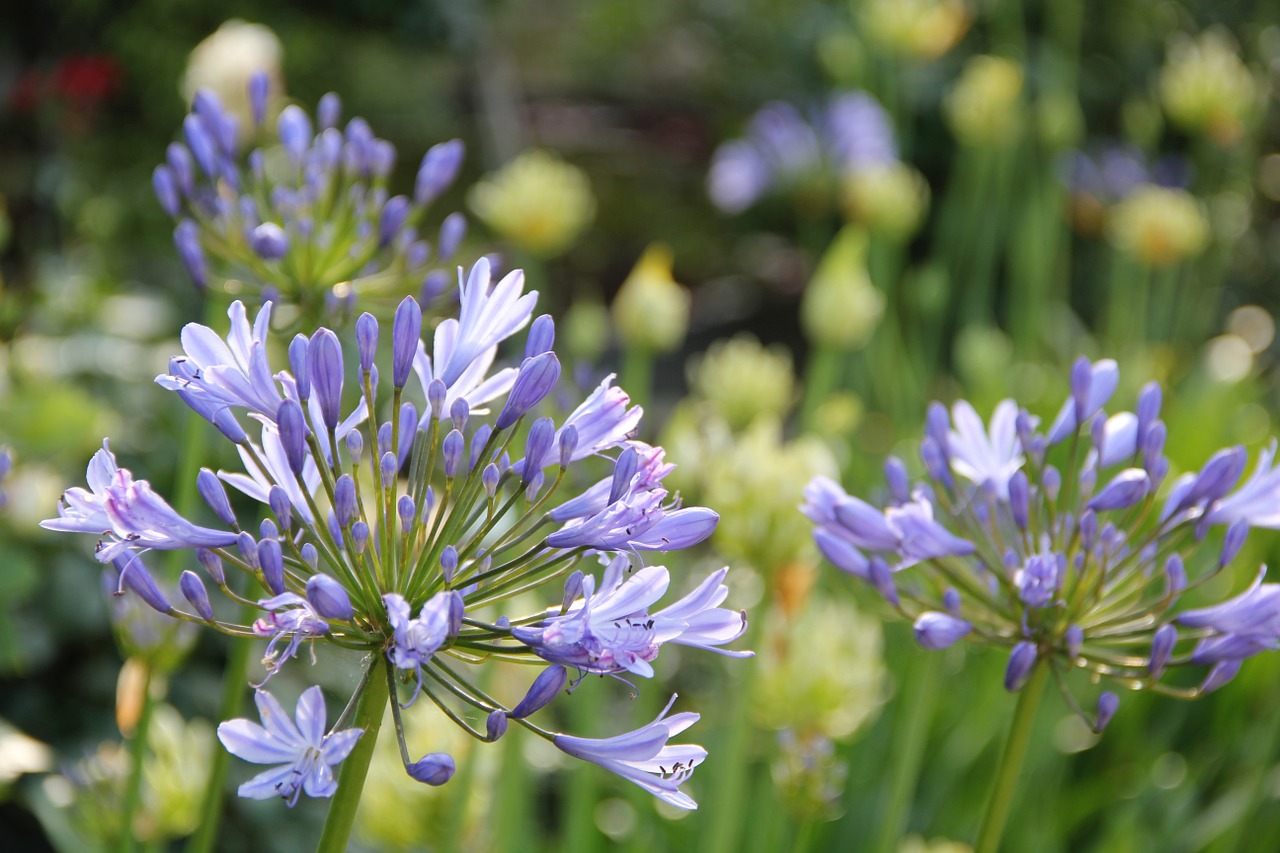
[(1061, 545), (393, 537), (306, 217)]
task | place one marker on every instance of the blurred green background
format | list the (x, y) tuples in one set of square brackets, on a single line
[(1072, 178)]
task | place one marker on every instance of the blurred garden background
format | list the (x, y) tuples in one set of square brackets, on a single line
[(788, 225)]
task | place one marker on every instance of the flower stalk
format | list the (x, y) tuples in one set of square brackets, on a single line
[(370, 709), (1012, 758)]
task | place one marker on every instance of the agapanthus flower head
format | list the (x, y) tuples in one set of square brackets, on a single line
[(397, 523), (1065, 546), (309, 214), (784, 150)]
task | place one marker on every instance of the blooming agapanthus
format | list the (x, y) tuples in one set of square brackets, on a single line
[(782, 149), (400, 527), (308, 216), (1064, 545)]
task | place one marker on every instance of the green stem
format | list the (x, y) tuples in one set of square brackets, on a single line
[(342, 811), (822, 376), (637, 374), (918, 698), (137, 758), (235, 675), (580, 833), (1015, 751)]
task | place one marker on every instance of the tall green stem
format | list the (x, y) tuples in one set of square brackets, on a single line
[(822, 376), (1015, 751), (910, 731), (137, 758), (370, 710)]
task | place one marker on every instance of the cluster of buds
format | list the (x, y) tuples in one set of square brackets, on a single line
[(404, 537), (308, 216), (1066, 546)]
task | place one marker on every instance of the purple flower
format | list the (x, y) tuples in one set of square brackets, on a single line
[(416, 640), (1039, 580), (1097, 385), (291, 616), (645, 757), (304, 754), (603, 421), (1257, 502), (236, 372), (986, 456), (936, 630), (1240, 627), (613, 631)]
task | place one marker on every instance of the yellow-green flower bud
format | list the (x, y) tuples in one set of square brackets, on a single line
[(585, 329), (982, 106), (744, 380), (651, 311), (1159, 226), (1206, 87), (890, 199), (920, 29), (841, 307), (538, 202)]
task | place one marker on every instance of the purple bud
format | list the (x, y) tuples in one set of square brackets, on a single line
[(355, 446), (324, 365), (478, 441), (1098, 433), (457, 607), (439, 167), (183, 170), (294, 128), (882, 579), (310, 556), (329, 598), (1216, 478), (1021, 661), (1149, 401), (1125, 489), (1108, 702), (382, 158), (936, 630), (193, 590), (1074, 641), (166, 190), (1081, 380), (1153, 446), (367, 340), (434, 769), (417, 255), (259, 87), (406, 510), (328, 110), (935, 463), (623, 472), (937, 426), (388, 467), (293, 435), (406, 334), (359, 536), (269, 241), (537, 376), (437, 392), (281, 508), (1051, 480), (271, 560), (197, 136), (384, 439), (451, 452), (212, 565), (452, 231), (1175, 576), (842, 554), (298, 366), (951, 601), (186, 236), (489, 479), (534, 485), (448, 563), (572, 590), (1222, 672), (895, 473), (544, 688), (1162, 649), (211, 489), (1020, 498), (458, 412), (541, 434), (394, 214), (267, 529), (1025, 428), (495, 725), (248, 549), (567, 443), (433, 285), (542, 336), (344, 500), (1233, 542)]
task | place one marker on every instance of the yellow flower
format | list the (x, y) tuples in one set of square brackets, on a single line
[(743, 379), (538, 202), (889, 199), (841, 307), (982, 106), (651, 311), (1206, 87), (224, 62), (1159, 226), (922, 29)]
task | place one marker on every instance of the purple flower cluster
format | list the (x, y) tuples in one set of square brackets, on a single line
[(307, 216), (392, 522), (1065, 545), (782, 149)]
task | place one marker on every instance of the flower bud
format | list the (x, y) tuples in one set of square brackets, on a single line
[(406, 335), (537, 376), (542, 336), (433, 285), (186, 236), (459, 411), (623, 471), (1125, 489), (437, 392), (392, 219), (298, 366), (1021, 661), (1108, 703), (407, 511), (166, 190), (293, 435), (181, 167), (193, 590), (132, 572), (895, 473), (439, 167), (201, 145), (355, 446), (329, 598), (434, 769), (1162, 649), (259, 89), (388, 467), (651, 311), (344, 500), (489, 479), (248, 548), (215, 495), (451, 452), (212, 565), (324, 364), (951, 601), (1222, 672), (541, 434), (495, 725), (281, 508), (1074, 641), (271, 560), (310, 555), (329, 110), (882, 579), (842, 554), (568, 444), (1233, 542), (544, 688), (359, 537), (841, 308), (367, 340), (452, 231), (269, 241), (294, 128), (939, 630), (478, 440), (1020, 498)]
